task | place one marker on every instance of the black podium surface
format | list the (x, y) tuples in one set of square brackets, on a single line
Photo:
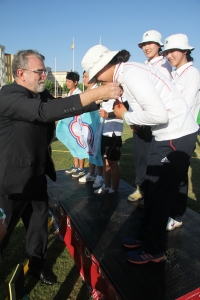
[(104, 220)]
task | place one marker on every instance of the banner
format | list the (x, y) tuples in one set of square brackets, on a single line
[(78, 134)]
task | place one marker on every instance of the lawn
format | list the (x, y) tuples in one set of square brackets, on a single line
[(70, 285)]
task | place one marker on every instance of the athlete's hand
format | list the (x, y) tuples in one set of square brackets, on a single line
[(119, 109), (103, 113)]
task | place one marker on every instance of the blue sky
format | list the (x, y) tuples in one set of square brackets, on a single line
[(49, 26)]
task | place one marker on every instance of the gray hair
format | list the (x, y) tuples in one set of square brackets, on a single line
[(20, 60)]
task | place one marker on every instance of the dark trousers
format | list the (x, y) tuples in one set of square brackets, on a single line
[(179, 206), (167, 166), (141, 146), (34, 212)]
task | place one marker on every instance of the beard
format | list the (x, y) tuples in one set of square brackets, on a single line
[(40, 87)]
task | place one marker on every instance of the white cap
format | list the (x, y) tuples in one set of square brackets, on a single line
[(96, 58), (176, 41), (151, 36)]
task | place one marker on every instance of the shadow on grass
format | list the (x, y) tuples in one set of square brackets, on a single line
[(58, 260), (13, 254), (68, 285)]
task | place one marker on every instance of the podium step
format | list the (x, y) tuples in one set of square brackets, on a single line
[(93, 227)]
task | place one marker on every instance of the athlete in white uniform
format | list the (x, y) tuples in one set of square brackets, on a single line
[(155, 102), (111, 145), (187, 79), (77, 170), (151, 45)]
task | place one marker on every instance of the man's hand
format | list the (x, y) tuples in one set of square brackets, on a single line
[(105, 92), (119, 109), (112, 90)]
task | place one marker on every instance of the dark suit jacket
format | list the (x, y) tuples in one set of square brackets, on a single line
[(26, 131)]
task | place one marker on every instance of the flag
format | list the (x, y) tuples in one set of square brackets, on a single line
[(77, 134), (72, 47)]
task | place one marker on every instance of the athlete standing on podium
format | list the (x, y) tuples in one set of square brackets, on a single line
[(151, 45), (155, 102)]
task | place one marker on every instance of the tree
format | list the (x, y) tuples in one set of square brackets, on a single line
[(65, 88), (49, 85)]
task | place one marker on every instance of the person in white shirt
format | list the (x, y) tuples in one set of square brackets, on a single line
[(111, 145), (155, 102), (97, 160), (187, 79), (77, 170), (151, 45)]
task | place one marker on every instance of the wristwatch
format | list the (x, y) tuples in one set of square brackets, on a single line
[(2, 216)]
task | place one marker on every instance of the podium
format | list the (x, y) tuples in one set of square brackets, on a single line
[(93, 228)]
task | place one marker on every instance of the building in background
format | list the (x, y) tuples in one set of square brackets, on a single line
[(59, 79), (8, 65), (2, 66)]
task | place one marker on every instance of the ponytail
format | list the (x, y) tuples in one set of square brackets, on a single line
[(121, 56)]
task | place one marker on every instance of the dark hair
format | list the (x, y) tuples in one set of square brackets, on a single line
[(73, 76), (20, 60), (188, 56), (121, 56), (159, 50), (93, 80)]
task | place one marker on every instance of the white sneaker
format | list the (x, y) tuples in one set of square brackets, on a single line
[(98, 182), (137, 195), (79, 173), (71, 170), (172, 224), (102, 190), (87, 178), (111, 191)]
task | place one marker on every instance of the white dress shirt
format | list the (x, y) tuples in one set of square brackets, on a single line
[(187, 80), (155, 101)]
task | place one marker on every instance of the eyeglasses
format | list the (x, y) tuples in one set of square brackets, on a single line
[(39, 72)]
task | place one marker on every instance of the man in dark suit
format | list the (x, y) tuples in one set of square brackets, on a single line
[(27, 115)]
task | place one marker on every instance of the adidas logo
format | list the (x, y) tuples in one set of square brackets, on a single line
[(166, 41), (165, 160), (146, 34)]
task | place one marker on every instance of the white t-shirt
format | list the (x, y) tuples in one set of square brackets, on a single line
[(155, 101), (187, 80), (161, 64), (75, 92)]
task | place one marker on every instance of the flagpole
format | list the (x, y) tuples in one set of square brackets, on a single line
[(100, 40), (55, 78), (73, 56)]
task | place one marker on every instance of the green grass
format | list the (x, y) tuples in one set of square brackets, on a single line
[(70, 285)]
